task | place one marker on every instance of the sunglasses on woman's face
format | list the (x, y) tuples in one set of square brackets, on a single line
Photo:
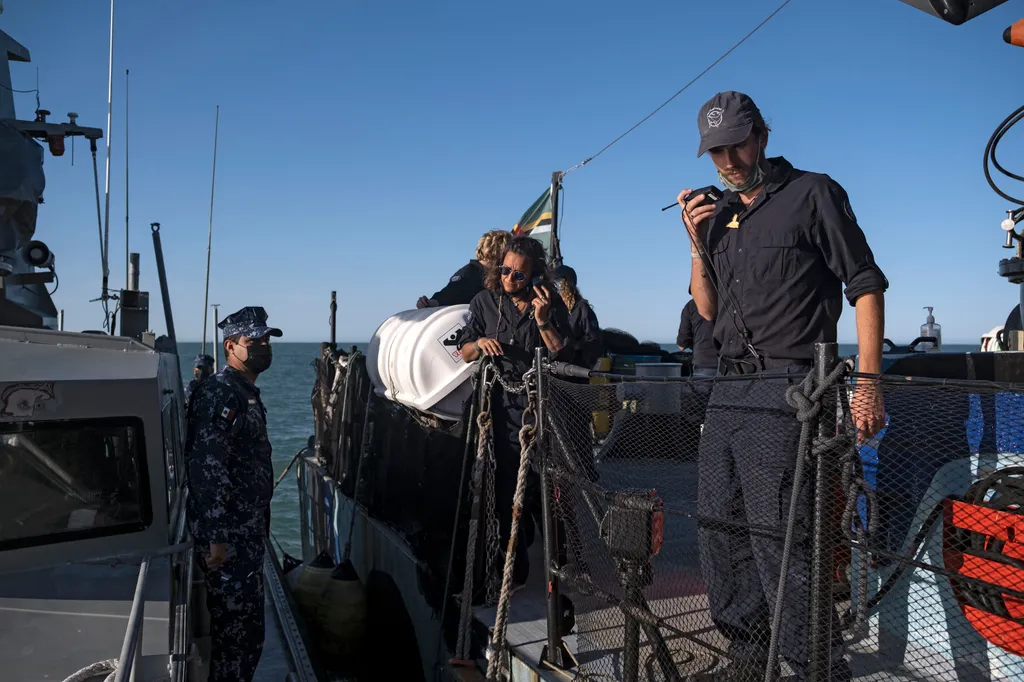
[(517, 275)]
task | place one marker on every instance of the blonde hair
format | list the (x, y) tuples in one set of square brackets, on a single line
[(570, 295), (492, 245)]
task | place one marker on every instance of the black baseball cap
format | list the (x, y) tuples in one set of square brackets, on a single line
[(566, 273), (726, 119)]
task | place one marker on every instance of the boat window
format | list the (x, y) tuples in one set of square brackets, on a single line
[(71, 479)]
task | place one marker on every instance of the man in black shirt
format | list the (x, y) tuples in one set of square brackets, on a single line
[(769, 263), (468, 281), (696, 333)]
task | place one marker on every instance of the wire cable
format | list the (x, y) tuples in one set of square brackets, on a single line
[(990, 155), (681, 90)]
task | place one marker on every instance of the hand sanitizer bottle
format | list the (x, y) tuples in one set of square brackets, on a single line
[(931, 328)]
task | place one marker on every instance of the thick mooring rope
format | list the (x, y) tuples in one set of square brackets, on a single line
[(484, 441), (527, 441)]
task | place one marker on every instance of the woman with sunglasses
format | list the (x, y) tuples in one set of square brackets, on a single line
[(517, 312)]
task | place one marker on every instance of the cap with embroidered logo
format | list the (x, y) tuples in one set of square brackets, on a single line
[(726, 119)]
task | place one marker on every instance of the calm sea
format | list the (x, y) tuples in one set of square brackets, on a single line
[(286, 388)]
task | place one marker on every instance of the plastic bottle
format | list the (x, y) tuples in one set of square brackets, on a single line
[(931, 328)]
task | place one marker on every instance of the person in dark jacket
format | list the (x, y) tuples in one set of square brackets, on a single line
[(231, 481), (584, 329), (697, 334), (469, 280), (200, 373)]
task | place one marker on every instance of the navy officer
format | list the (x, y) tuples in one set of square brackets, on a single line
[(231, 481), (770, 260), (203, 368)]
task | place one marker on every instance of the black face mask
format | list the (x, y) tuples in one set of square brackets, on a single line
[(258, 359)]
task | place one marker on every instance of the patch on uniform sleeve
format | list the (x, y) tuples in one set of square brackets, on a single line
[(848, 210), (455, 278), (224, 417)]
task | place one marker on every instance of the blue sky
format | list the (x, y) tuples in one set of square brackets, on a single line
[(364, 146)]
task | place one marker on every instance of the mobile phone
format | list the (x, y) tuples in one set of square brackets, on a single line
[(711, 194)]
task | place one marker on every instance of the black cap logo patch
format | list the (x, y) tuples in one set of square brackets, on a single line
[(715, 117)]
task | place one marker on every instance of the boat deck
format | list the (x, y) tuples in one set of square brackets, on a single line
[(917, 634), (697, 657)]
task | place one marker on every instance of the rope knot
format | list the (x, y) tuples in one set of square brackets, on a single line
[(806, 408)]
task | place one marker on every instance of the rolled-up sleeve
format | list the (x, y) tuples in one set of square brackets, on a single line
[(843, 243)]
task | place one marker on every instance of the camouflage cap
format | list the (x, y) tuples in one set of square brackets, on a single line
[(250, 321), (203, 360)]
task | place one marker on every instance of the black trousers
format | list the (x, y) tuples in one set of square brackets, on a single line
[(747, 459), (507, 412)]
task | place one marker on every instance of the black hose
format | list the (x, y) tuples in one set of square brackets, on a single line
[(990, 155)]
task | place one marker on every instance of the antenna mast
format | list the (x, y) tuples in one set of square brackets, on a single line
[(209, 235), (106, 218), (127, 256)]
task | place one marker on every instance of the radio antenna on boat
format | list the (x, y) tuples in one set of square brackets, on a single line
[(209, 234), (127, 256), (105, 246)]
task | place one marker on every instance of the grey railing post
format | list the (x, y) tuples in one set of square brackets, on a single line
[(826, 356), (553, 650), (133, 634)]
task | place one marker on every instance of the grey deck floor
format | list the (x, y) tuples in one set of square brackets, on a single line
[(696, 656), (275, 663)]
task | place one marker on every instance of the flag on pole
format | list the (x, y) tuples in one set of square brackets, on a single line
[(537, 221)]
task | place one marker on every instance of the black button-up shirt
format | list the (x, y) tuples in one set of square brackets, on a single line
[(496, 317), (784, 260), (697, 334), (463, 285)]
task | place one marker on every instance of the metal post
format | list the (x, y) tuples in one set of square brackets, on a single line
[(826, 356), (133, 634), (556, 250), (553, 649), (334, 320), (209, 233), (133, 272), (216, 336), (164, 293), (60, 320), (127, 253)]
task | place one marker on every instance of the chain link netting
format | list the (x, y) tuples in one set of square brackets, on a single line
[(684, 505)]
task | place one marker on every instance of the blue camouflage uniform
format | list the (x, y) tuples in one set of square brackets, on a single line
[(205, 363), (231, 482)]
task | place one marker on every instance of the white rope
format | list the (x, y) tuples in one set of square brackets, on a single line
[(95, 670), (527, 440)]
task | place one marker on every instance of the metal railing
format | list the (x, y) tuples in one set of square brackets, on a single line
[(905, 551)]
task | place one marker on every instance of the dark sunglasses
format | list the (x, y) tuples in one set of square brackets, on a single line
[(517, 275)]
